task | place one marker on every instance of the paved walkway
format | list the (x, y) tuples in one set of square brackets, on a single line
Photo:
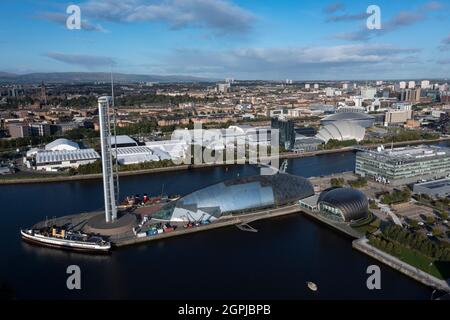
[(421, 276)]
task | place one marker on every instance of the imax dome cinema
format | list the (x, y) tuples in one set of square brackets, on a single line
[(343, 204), (235, 197)]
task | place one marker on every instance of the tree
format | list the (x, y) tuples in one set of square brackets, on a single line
[(413, 223), (436, 232), (430, 219), (337, 182)]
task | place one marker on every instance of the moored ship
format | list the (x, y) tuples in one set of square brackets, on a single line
[(61, 238)]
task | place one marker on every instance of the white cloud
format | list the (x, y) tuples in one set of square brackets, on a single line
[(60, 19), (278, 63), (82, 60), (219, 15)]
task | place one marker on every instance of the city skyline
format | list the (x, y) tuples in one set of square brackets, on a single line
[(247, 40)]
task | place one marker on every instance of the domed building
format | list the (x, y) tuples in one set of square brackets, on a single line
[(237, 197), (343, 204), (362, 119), (341, 131)]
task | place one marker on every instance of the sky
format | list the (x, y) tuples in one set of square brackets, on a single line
[(241, 39)]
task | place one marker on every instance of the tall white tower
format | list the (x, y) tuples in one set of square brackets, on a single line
[(107, 167)]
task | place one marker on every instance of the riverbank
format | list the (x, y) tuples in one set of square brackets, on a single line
[(363, 246), (235, 220), (42, 178)]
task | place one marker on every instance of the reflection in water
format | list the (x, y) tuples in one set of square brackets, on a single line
[(224, 263), (55, 253)]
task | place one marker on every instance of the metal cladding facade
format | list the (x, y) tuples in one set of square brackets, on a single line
[(346, 203), (237, 197), (362, 119), (341, 131)]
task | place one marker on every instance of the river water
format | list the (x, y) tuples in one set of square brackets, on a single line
[(273, 263)]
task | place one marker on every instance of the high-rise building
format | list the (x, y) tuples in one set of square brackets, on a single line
[(286, 132), (411, 84), (19, 130), (397, 116), (307, 86), (40, 129), (358, 101), (402, 85), (329, 92), (425, 84), (410, 95), (316, 86), (368, 93), (223, 87)]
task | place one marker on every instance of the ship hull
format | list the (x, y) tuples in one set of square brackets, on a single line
[(64, 244)]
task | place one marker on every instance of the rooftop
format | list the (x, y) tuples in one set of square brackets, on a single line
[(122, 140), (416, 153), (43, 157), (437, 184)]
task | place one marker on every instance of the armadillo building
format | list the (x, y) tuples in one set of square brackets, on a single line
[(236, 197)]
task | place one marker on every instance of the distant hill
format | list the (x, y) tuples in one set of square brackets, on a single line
[(83, 77)]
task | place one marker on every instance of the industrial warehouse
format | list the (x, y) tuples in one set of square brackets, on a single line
[(60, 154)]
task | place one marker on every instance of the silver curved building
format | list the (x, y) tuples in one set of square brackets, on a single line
[(341, 131), (343, 204), (363, 119), (237, 197)]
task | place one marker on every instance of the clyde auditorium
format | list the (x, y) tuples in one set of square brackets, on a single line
[(238, 196)]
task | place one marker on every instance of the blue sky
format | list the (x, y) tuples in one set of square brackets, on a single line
[(244, 39)]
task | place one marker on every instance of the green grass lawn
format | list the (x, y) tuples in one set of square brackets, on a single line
[(367, 225), (32, 175), (421, 262)]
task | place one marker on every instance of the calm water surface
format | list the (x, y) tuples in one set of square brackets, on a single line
[(226, 263)]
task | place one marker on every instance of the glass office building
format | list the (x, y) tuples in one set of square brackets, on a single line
[(286, 130), (402, 166), (237, 197)]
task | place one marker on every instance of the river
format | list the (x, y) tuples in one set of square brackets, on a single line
[(225, 263)]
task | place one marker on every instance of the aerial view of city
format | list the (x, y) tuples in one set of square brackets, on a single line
[(225, 150)]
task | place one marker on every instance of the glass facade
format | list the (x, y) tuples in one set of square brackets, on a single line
[(401, 167), (343, 204), (237, 197), (286, 130), (331, 212)]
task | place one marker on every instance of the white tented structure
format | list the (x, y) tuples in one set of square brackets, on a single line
[(62, 145)]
